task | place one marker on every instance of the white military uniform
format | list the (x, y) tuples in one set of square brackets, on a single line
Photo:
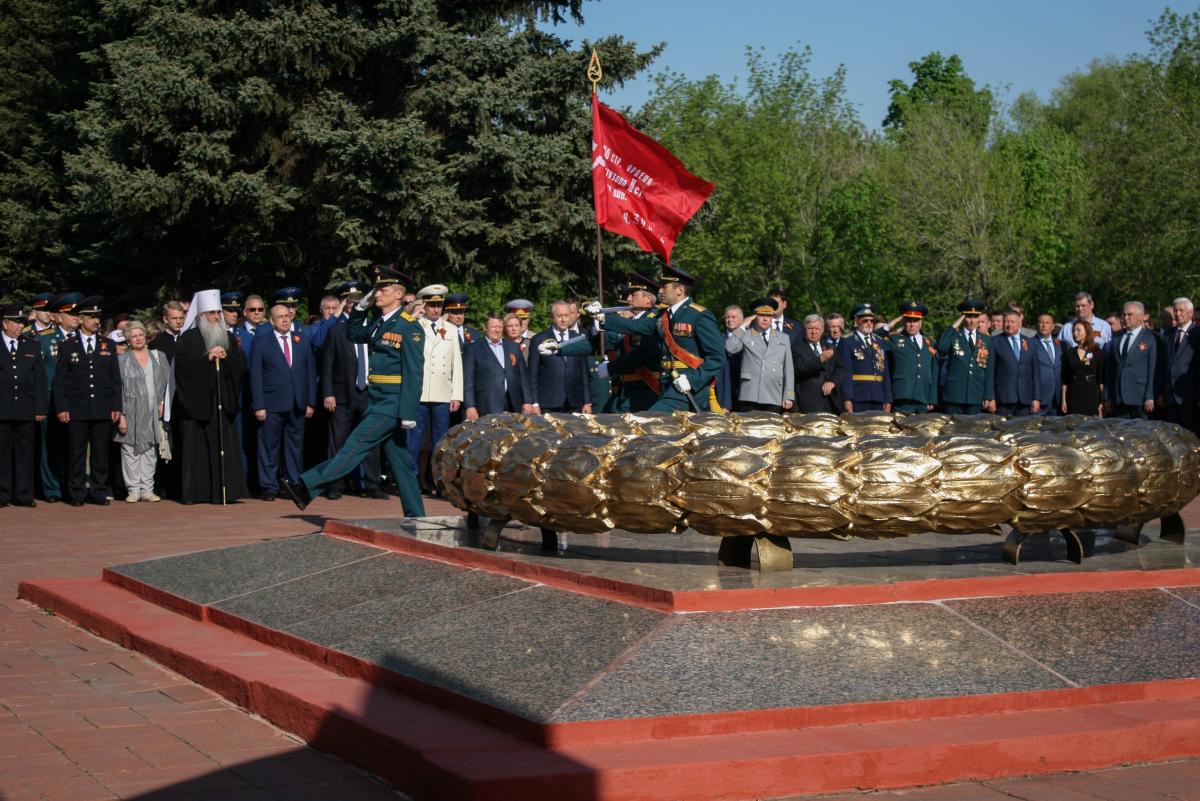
[(443, 363)]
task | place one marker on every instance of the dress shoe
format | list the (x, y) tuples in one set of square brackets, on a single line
[(297, 492), (377, 494), (76, 502), (29, 504), (53, 499), (333, 495), (267, 496), (99, 501)]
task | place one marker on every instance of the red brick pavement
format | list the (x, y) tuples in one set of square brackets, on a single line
[(81, 719)]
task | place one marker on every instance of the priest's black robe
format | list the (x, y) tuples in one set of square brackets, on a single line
[(203, 432)]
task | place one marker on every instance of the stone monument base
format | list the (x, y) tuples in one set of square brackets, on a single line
[(629, 667)]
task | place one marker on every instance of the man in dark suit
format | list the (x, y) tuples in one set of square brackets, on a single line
[(1018, 387), (173, 316), (818, 369), (1180, 368), (87, 399), (283, 394), (495, 376), (558, 383), (782, 322), (345, 393), (1047, 354), (1131, 368), (23, 402)]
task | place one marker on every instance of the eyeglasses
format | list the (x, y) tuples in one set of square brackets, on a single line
[(256, 308)]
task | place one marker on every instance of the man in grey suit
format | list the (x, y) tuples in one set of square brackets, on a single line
[(767, 382), (1048, 364), (1180, 367), (1131, 370)]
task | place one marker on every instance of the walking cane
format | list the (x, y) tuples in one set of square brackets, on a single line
[(220, 432)]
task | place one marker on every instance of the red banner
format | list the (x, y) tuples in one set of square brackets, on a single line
[(641, 190)]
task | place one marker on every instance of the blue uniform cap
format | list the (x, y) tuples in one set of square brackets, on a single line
[(863, 310), (232, 301), (456, 302), (65, 302), (288, 295), (971, 307), (348, 288)]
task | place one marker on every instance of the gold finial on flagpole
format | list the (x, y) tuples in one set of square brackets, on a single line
[(594, 73)]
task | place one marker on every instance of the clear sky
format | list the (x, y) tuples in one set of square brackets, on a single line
[(1012, 45)]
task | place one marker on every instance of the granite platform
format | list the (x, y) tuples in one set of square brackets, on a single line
[(572, 658)]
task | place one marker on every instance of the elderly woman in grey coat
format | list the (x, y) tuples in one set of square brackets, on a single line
[(139, 429)]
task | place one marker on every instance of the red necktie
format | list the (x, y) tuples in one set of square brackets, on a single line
[(287, 350)]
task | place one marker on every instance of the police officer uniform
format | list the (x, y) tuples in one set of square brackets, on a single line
[(912, 361), (397, 361), (23, 399), (689, 345), (866, 381), (87, 387), (970, 370)]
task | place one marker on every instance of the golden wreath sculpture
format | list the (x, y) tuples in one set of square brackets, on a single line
[(768, 477)]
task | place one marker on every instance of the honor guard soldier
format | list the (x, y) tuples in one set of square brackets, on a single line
[(691, 349), (289, 296), (396, 344), (970, 371), (912, 361), (866, 383), (23, 404), (87, 400)]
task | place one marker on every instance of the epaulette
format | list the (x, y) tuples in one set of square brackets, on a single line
[(698, 307), (408, 317), (653, 314), (46, 332)]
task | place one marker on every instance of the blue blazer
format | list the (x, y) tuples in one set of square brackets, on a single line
[(1131, 377), (1049, 371), (556, 381), (1181, 367), (273, 385), (484, 380), (1017, 381)]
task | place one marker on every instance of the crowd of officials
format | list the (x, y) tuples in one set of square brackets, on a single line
[(226, 396)]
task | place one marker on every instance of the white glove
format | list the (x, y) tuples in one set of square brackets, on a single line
[(407, 424), (593, 308), (602, 370), (681, 383), (368, 300), (548, 347)]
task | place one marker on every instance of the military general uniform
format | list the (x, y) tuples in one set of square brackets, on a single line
[(87, 385), (970, 371), (397, 361), (23, 398), (912, 362), (689, 345)]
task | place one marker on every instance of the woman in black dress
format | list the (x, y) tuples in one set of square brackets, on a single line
[(1083, 373)]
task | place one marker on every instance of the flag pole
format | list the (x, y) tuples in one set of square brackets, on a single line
[(595, 74)]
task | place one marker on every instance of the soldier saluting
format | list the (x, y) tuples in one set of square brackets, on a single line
[(866, 385), (912, 360), (970, 371), (691, 348)]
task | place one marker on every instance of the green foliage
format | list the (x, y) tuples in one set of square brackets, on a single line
[(943, 84)]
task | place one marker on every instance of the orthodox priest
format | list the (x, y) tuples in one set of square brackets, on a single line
[(209, 368)]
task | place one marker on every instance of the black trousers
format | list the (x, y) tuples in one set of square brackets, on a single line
[(1129, 412), (1183, 415), (16, 460), (341, 422), (84, 436), (1014, 409)]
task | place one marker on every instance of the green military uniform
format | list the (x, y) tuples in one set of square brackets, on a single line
[(397, 364), (913, 366), (53, 434), (690, 332), (970, 369)]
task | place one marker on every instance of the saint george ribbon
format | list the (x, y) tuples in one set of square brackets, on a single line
[(641, 190)]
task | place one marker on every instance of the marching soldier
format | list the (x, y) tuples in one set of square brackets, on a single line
[(866, 384), (397, 361), (87, 399), (23, 402), (690, 346), (970, 372), (912, 361)]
